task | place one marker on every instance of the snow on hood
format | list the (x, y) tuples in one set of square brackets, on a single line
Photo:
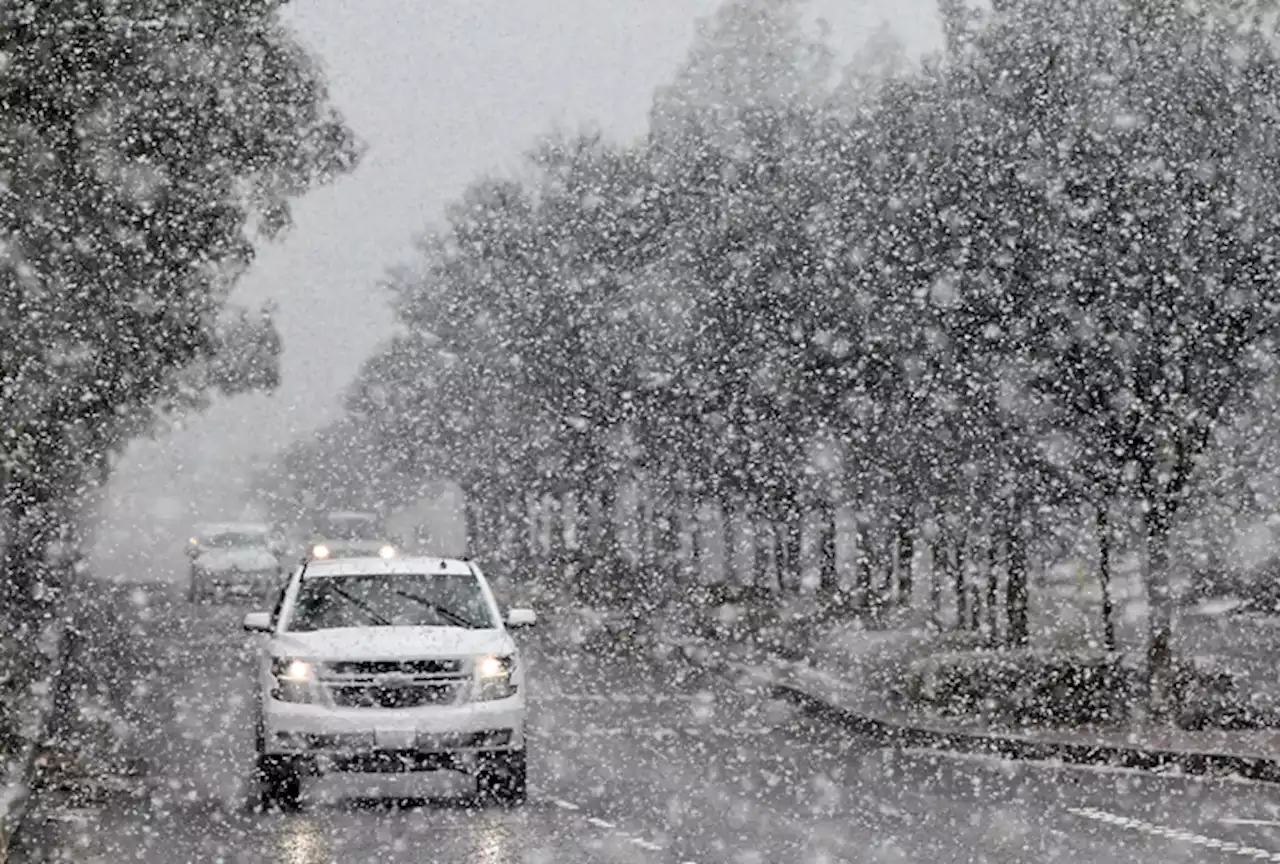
[(247, 558), (392, 643)]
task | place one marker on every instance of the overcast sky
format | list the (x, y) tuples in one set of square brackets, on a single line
[(442, 91)]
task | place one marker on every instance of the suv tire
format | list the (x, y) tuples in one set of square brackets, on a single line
[(279, 778), (502, 778)]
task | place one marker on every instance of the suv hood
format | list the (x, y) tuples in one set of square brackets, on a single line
[(236, 559), (391, 643)]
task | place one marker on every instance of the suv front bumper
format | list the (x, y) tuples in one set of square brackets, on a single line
[(376, 739)]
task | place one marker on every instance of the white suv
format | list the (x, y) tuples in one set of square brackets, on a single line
[(390, 665)]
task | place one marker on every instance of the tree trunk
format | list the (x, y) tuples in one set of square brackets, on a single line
[(694, 523), (828, 578), (471, 508), (887, 560), (1016, 583), (734, 511), (1160, 644), (993, 587), (606, 552), (1102, 526), (906, 555), (644, 532), (937, 570), (792, 539), (557, 553), (531, 530), (673, 543), (956, 561), (762, 543), (862, 599)]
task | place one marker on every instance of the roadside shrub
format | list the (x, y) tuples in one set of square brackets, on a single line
[(1025, 687)]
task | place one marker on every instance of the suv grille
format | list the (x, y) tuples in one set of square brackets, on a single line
[(389, 667), (407, 696), (394, 683)]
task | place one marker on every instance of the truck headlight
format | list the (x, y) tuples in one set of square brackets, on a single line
[(294, 681), (494, 674), (291, 669)]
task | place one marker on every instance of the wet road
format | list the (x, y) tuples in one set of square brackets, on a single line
[(630, 761)]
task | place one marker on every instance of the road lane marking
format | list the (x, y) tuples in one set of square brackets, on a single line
[(1265, 823), (648, 845), (1174, 833)]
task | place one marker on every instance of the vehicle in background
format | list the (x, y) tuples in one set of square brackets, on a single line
[(325, 549), (236, 558), (349, 534), (376, 665), (349, 525)]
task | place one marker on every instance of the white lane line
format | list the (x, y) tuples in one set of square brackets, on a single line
[(1174, 833), (609, 826), (1265, 823)]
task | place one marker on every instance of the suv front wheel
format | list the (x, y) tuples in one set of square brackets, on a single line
[(279, 779), (502, 778)]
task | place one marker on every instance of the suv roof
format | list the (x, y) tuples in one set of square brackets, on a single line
[(372, 566)]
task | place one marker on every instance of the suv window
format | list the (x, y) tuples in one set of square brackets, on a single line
[(391, 600)]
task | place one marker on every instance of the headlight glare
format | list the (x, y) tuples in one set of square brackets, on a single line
[(291, 669), (294, 681), (319, 551), (494, 677), (387, 552), (493, 666)]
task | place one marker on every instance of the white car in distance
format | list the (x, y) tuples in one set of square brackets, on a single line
[(237, 558), (389, 665)]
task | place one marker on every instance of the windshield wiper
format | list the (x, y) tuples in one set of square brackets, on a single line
[(374, 616), (444, 613)]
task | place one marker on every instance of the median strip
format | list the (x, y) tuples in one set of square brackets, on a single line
[(798, 685)]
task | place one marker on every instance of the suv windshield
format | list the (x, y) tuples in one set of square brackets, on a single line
[(234, 540), (395, 600)]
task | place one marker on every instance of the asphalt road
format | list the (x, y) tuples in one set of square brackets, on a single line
[(631, 761)]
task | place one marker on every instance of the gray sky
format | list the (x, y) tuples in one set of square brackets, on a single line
[(442, 92)]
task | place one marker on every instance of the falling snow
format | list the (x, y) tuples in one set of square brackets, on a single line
[(872, 461)]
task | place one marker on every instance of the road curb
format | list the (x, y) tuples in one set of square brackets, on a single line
[(894, 733)]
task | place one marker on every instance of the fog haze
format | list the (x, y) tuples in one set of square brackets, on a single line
[(441, 93)]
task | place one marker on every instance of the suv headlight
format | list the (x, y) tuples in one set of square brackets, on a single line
[(295, 681), (493, 677)]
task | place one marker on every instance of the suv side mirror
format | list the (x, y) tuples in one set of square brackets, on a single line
[(257, 622), (521, 618)]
